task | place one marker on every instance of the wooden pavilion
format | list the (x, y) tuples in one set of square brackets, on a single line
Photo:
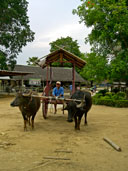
[(5, 73), (62, 56)]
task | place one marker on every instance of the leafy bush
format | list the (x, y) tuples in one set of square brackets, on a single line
[(119, 96), (121, 103), (107, 102), (98, 95), (103, 92), (111, 99)]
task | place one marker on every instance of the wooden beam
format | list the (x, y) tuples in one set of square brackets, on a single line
[(77, 63), (53, 98), (116, 147), (61, 57), (56, 158)]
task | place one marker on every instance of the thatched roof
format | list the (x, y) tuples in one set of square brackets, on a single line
[(13, 73), (60, 55), (58, 73)]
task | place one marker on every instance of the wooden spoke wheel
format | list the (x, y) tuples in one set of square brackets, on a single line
[(45, 108)]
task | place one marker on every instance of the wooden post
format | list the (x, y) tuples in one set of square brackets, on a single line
[(73, 78), (61, 57), (22, 81), (50, 74), (116, 147), (47, 76)]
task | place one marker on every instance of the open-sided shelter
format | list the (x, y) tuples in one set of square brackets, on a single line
[(7, 74), (62, 56)]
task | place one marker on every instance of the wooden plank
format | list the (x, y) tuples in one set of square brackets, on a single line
[(116, 147), (63, 151), (56, 158)]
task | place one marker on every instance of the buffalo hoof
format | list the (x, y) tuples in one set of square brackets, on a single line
[(70, 120), (25, 130), (44, 117), (77, 129)]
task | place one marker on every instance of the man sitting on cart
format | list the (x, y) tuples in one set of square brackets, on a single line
[(58, 92)]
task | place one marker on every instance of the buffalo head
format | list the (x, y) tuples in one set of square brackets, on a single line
[(21, 98), (73, 107)]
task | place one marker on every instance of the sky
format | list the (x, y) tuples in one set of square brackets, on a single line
[(50, 20)]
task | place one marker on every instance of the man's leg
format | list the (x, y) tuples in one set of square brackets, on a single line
[(55, 106)]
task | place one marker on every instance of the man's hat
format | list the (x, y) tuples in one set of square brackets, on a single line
[(58, 82)]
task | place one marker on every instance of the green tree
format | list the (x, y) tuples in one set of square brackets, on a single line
[(109, 35), (3, 61), (119, 68), (33, 61), (68, 44), (96, 68), (14, 29)]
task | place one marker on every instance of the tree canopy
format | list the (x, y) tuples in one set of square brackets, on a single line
[(96, 68), (68, 44), (109, 35), (33, 61), (15, 31)]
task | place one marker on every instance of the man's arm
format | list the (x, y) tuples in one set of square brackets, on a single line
[(54, 92), (61, 92)]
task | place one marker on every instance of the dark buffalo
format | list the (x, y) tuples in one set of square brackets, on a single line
[(28, 106), (77, 109)]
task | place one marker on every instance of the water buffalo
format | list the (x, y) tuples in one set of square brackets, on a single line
[(28, 106), (77, 109)]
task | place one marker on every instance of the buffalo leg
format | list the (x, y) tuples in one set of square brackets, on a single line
[(25, 122), (85, 121), (33, 121), (75, 118), (29, 120), (32, 124), (78, 123)]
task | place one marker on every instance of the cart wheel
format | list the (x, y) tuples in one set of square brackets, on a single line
[(44, 109)]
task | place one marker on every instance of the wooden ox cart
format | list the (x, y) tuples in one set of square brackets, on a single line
[(62, 56)]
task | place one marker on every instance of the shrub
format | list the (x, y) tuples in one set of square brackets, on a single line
[(98, 95), (111, 99), (110, 102), (103, 92), (119, 96), (121, 103), (107, 102)]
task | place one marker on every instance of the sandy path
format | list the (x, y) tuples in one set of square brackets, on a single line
[(83, 150)]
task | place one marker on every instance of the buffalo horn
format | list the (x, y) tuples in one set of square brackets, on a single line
[(82, 103), (65, 106), (27, 94)]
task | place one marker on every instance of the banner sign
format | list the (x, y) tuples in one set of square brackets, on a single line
[(35, 81)]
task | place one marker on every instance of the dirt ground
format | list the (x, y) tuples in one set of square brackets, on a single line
[(70, 150)]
